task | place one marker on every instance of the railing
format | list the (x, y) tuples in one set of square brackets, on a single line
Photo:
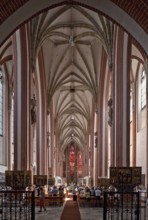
[(124, 206), (17, 205)]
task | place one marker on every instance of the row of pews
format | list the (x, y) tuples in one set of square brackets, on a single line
[(51, 200)]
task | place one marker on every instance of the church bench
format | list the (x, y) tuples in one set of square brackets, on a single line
[(51, 200)]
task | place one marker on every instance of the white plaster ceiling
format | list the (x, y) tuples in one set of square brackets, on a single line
[(72, 38)]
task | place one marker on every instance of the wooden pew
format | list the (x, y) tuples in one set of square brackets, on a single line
[(51, 200), (82, 201)]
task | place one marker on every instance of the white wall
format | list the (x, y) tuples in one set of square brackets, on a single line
[(141, 150), (3, 168)]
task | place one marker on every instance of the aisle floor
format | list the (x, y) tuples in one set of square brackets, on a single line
[(86, 213), (55, 213)]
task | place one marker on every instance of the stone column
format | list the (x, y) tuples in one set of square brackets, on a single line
[(21, 100), (91, 145), (51, 137), (101, 119), (95, 146), (146, 71), (9, 156), (121, 99), (42, 116), (134, 124)]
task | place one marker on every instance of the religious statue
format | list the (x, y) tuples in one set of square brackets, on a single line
[(96, 139), (110, 112), (33, 110)]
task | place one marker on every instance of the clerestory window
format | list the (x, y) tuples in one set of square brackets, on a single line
[(12, 120)]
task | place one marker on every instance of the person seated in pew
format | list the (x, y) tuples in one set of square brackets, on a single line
[(87, 194), (92, 191), (54, 191), (98, 196), (49, 191), (61, 191)]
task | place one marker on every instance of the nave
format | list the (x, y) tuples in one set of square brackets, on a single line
[(73, 94)]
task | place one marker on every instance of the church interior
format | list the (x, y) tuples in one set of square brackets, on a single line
[(74, 90)]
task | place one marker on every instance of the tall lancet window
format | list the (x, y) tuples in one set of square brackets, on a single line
[(1, 102), (12, 120), (12, 132), (131, 103), (143, 89)]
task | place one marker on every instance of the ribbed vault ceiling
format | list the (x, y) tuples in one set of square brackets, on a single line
[(137, 9), (72, 39)]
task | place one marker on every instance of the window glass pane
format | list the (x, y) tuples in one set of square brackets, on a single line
[(143, 89), (12, 121), (131, 104)]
